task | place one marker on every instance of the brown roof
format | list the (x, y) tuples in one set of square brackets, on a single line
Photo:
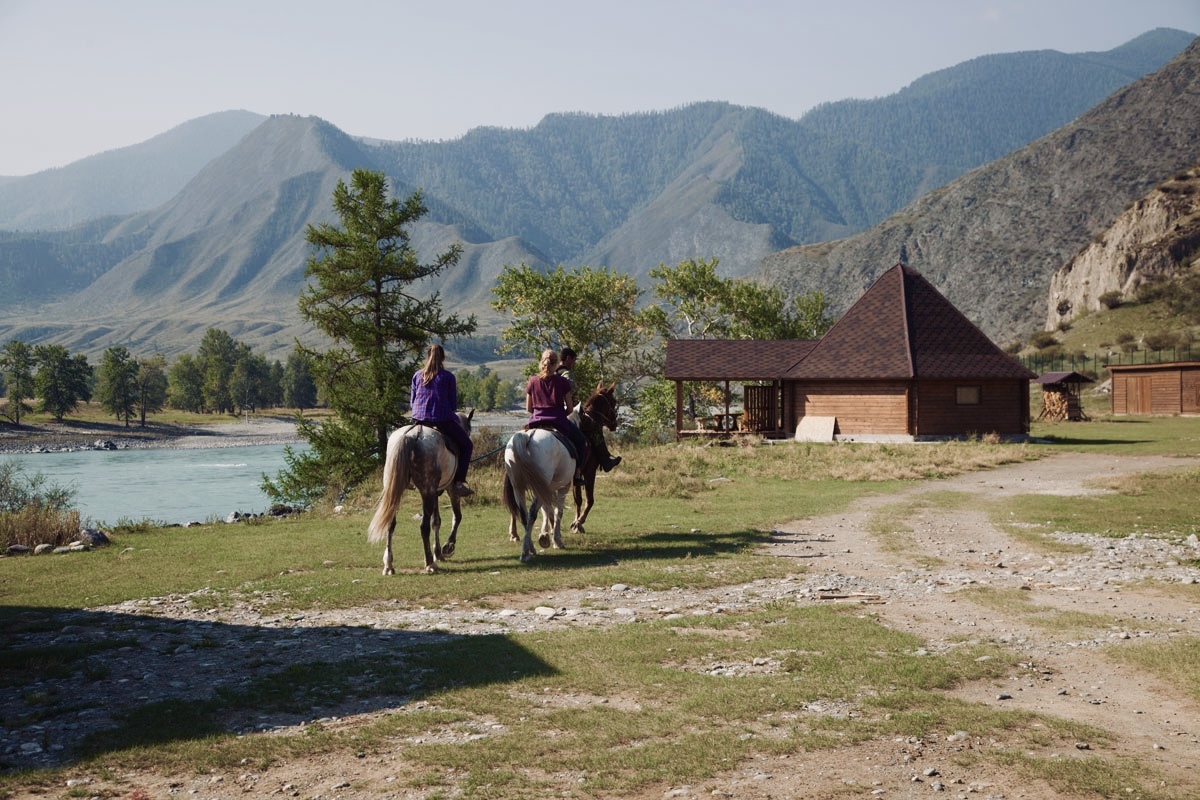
[(902, 327), (733, 359), (1063, 377)]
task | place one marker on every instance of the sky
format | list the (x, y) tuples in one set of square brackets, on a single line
[(79, 77)]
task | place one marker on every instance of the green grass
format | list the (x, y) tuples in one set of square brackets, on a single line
[(646, 709)]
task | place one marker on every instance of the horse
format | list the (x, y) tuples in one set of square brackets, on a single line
[(599, 411), (417, 456), (537, 462)]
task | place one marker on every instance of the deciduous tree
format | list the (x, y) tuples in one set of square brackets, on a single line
[(62, 381), (594, 311), (16, 361), (151, 386), (116, 383)]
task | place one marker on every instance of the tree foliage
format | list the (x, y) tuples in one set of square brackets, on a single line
[(594, 311), (117, 383), (62, 381), (151, 386), (17, 363), (364, 275)]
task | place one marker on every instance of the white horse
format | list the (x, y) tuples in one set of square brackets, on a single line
[(417, 456), (539, 463)]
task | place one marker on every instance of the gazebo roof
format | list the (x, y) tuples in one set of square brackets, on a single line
[(1063, 377)]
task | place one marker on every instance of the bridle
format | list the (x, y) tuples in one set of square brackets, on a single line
[(607, 415)]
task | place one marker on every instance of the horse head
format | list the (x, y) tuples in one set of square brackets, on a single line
[(465, 419), (602, 405)]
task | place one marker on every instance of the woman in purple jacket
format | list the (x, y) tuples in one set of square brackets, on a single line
[(435, 403)]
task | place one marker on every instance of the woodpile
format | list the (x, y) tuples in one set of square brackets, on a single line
[(1060, 405), (1054, 406)]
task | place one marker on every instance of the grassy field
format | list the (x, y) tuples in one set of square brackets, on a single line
[(672, 516)]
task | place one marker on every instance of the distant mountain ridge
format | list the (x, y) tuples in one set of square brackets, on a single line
[(992, 239), (710, 179)]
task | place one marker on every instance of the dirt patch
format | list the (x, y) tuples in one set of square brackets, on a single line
[(1148, 587)]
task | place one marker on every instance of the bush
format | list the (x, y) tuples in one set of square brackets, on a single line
[(1110, 300), (1162, 340), (1043, 339), (33, 512)]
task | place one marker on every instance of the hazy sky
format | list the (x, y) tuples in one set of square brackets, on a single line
[(78, 77)]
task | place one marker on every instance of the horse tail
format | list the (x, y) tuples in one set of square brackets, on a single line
[(535, 478), (509, 497), (395, 481)]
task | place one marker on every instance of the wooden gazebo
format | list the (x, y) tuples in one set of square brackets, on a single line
[(1060, 396)]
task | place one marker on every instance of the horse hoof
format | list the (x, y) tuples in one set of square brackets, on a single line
[(543, 541), (447, 551), (558, 545), (431, 569), (526, 557), (389, 571)]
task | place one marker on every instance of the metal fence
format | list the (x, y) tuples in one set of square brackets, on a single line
[(1094, 366)]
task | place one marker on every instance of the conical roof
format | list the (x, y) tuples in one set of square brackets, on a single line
[(903, 328)]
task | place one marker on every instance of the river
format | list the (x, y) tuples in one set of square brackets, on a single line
[(160, 484)]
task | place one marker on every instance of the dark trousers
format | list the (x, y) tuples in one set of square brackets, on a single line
[(457, 434), (572, 432)]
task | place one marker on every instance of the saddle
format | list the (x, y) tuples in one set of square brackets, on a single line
[(549, 426), (450, 444)]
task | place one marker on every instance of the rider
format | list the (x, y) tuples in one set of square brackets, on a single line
[(434, 403), (548, 398), (595, 436)]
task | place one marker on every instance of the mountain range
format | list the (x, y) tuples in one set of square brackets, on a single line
[(988, 175)]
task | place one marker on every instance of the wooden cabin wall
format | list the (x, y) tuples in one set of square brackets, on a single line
[(861, 407), (1003, 408)]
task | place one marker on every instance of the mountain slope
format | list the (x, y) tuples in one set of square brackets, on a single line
[(122, 181), (991, 240)]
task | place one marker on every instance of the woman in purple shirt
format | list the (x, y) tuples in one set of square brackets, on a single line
[(435, 403), (548, 398)]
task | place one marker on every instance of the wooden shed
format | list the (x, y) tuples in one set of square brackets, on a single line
[(1061, 396), (901, 364), (1170, 389)]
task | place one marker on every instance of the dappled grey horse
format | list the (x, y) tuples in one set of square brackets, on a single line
[(418, 456)]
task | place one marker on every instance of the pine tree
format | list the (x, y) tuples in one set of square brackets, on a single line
[(363, 296)]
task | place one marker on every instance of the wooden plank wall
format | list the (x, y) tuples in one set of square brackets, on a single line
[(860, 407), (1003, 408)]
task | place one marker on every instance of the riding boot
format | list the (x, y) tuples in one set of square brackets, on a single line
[(603, 457)]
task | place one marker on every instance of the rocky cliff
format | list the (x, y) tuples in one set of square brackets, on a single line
[(1151, 240)]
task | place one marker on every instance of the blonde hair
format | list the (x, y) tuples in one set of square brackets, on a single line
[(433, 363), (547, 364)]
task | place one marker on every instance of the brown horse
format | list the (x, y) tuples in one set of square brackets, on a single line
[(598, 412), (417, 457)]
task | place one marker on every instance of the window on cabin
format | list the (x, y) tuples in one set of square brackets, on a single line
[(967, 395)]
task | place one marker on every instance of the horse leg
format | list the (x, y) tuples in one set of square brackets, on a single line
[(557, 515), (588, 490), (544, 536), (455, 518), (436, 524), (388, 569), (428, 509)]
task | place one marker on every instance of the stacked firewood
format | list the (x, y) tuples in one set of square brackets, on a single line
[(1054, 406)]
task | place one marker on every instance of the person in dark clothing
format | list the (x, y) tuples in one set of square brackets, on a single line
[(548, 399), (595, 436), (434, 399)]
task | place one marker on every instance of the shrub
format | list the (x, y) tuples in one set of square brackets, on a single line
[(1110, 300), (33, 512), (1162, 340), (1043, 339)]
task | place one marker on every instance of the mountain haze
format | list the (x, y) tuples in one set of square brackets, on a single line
[(227, 249), (991, 240)]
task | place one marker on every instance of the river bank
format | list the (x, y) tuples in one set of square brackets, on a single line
[(71, 435)]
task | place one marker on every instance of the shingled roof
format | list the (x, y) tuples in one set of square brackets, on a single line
[(902, 327)]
